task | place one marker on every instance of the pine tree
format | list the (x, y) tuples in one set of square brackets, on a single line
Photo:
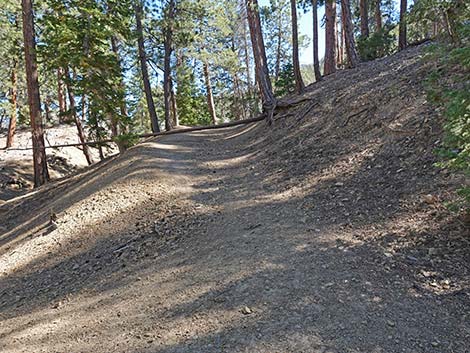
[(364, 14), (378, 16), (41, 173), (299, 83), (138, 9), (259, 53), (169, 19), (349, 33), (316, 61), (330, 37), (402, 25)]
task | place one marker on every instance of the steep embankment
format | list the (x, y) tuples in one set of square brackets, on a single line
[(323, 233)]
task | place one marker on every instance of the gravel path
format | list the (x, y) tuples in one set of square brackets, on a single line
[(309, 237), (187, 252)]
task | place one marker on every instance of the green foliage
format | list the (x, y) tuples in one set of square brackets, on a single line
[(285, 83), (127, 139), (378, 44), (76, 35), (449, 87), (439, 18), (191, 103)]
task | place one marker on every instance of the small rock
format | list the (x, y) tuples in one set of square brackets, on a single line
[(426, 274), (430, 199), (435, 344), (246, 311)]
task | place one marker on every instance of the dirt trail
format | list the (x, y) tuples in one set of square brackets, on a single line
[(215, 241)]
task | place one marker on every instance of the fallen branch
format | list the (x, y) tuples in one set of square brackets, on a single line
[(289, 103), (304, 113), (171, 132), (346, 122)]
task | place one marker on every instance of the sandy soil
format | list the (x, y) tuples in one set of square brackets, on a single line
[(16, 164), (324, 233)]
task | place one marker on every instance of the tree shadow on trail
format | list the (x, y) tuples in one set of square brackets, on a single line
[(327, 242)]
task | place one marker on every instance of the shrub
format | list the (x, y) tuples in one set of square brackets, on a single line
[(449, 87), (378, 44)]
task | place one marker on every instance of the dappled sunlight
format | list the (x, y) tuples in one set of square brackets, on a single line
[(310, 236), (88, 219)]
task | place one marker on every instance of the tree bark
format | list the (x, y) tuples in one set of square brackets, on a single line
[(47, 110), (259, 54), (316, 61), (330, 39), (143, 67), (340, 46), (41, 173), (14, 105), (169, 18), (378, 16), (78, 123), (174, 107), (122, 102), (299, 83), (247, 59), (349, 33), (277, 68), (83, 103), (402, 25), (210, 97), (61, 94), (338, 30), (115, 126), (364, 13)]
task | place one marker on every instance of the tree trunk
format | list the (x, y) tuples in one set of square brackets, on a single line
[(338, 30), (14, 105), (378, 16), (364, 13), (83, 103), (47, 110), (78, 124), (349, 33), (122, 102), (174, 107), (210, 97), (240, 99), (115, 126), (316, 61), (247, 59), (143, 67), (277, 68), (330, 39), (299, 83), (41, 174), (402, 25), (100, 147), (340, 46), (239, 105), (259, 54), (61, 95), (168, 43)]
